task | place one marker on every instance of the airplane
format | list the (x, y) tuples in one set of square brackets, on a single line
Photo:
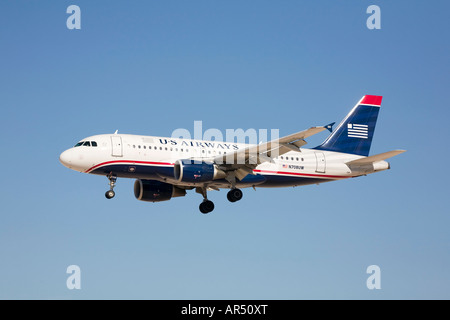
[(166, 168)]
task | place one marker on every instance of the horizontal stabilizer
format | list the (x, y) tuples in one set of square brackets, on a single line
[(375, 158)]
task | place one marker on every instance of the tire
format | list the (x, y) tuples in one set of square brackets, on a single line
[(209, 205), (229, 197), (234, 195), (206, 207), (202, 208), (110, 194)]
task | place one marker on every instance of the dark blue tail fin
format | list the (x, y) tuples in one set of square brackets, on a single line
[(354, 134)]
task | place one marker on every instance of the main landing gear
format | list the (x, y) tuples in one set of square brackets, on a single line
[(207, 205), (112, 183), (234, 195)]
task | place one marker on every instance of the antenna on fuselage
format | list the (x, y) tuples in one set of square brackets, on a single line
[(116, 131)]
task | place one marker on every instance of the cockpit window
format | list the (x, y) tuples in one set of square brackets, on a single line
[(86, 144)]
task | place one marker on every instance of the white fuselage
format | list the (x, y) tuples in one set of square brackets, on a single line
[(150, 157)]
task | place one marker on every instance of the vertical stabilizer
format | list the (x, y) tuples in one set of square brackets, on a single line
[(354, 134)]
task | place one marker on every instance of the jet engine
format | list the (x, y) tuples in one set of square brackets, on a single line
[(196, 171), (155, 191)]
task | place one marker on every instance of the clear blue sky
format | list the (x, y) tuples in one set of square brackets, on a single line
[(149, 67)]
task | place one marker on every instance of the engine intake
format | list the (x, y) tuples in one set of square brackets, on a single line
[(155, 191), (195, 171)]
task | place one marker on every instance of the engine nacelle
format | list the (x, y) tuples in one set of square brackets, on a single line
[(193, 171), (155, 191)]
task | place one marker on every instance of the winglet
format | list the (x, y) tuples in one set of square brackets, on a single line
[(329, 127)]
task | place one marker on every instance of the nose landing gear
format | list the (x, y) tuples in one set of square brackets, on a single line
[(112, 183)]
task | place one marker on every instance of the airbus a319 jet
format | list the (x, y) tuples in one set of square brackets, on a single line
[(165, 168)]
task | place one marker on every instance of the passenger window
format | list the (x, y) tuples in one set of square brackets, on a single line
[(87, 144), (165, 148), (134, 146)]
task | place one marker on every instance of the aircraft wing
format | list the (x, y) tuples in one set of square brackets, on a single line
[(243, 161)]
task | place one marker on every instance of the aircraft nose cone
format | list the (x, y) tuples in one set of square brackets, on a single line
[(65, 159)]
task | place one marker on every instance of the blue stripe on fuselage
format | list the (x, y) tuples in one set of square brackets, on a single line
[(155, 172), (134, 171)]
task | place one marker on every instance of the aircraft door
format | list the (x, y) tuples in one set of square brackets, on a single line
[(320, 162), (116, 143)]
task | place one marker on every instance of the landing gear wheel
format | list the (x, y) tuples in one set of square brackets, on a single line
[(234, 195), (206, 206), (112, 183), (110, 194)]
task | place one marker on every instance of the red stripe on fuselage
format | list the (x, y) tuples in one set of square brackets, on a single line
[(302, 174), (129, 161)]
